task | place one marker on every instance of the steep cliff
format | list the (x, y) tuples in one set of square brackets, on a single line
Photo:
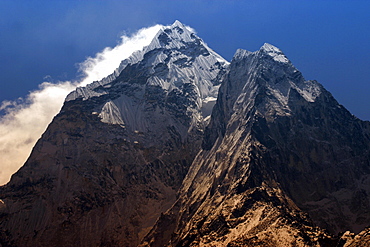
[(280, 156)]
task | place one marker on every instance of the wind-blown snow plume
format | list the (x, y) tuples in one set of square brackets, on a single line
[(25, 121), (106, 61)]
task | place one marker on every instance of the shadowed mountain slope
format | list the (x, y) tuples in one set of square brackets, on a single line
[(280, 156)]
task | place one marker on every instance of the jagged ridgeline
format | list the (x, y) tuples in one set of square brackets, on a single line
[(147, 156)]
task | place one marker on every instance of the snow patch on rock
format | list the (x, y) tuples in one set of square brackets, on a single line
[(275, 53)]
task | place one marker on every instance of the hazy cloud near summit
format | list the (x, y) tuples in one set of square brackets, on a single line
[(25, 120)]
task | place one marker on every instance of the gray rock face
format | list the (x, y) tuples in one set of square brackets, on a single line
[(277, 149), (113, 159)]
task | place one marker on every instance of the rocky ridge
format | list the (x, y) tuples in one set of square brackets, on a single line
[(280, 156)]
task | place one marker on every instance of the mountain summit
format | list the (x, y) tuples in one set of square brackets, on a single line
[(114, 157), (148, 157), (280, 157)]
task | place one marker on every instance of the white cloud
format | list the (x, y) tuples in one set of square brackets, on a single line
[(25, 120), (106, 61)]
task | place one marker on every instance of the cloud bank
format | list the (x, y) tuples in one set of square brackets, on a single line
[(26, 119)]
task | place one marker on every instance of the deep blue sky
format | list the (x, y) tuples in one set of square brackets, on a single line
[(327, 40)]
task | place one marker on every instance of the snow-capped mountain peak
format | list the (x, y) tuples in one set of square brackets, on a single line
[(177, 23), (173, 36), (284, 77), (179, 46), (176, 36), (270, 48), (241, 53), (275, 53), (175, 63)]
